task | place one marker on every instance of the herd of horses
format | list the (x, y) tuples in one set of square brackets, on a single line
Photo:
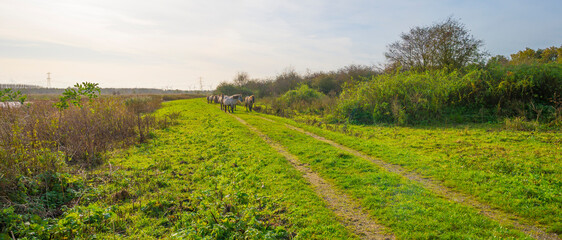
[(228, 103)]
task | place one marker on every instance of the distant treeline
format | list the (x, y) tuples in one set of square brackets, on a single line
[(330, 83), (34, 89), (18, 86)]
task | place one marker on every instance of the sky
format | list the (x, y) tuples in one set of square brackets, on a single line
[(183, 44)]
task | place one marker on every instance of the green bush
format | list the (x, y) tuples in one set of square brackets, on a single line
[(301, 100), (400, 98), (479, 94), (301, 94)]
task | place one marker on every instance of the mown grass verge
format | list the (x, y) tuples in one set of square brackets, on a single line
[(518, 172), (408, 209), (208, 177)]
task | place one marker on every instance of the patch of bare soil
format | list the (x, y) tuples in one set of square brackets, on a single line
[(348, 211), (446, 192)]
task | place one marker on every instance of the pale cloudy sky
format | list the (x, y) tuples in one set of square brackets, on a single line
[(172, 43)]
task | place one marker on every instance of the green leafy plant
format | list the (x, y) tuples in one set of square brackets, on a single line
[(74, 95), (8, 95)]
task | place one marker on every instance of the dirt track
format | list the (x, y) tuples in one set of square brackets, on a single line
[(348, 211)]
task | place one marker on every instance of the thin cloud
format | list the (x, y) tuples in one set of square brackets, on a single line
[(174, 42)]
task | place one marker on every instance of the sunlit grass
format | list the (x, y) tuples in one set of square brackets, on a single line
[(516, 171), (405, 206), (208, 177)]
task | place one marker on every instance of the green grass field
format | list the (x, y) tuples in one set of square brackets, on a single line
[(211, 177), (407, 208), (519, 172), (206, 178)]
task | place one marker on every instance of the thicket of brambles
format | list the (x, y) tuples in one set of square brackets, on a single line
[(434, 74), (43, 144)]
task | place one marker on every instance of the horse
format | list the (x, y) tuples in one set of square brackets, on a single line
[(229, 102), (249, 102), (220, 99), (210, 99), (239, 97)]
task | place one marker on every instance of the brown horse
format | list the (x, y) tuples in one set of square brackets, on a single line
[(249, 102)]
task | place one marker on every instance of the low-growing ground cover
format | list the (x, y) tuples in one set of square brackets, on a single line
[(518, 172), (407, 208), (207, 177)]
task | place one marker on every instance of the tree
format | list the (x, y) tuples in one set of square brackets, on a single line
[(74, 95), (526, 56), (551, 54), (231, 89), (498, 59), (530, 56), (241, 78), (447, 44), (286, 81), (325, 83)]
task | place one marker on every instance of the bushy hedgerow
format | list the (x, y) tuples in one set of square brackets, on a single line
[(499, 91)]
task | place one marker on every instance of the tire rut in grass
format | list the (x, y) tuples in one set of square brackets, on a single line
[(350, 213), (434, 186)]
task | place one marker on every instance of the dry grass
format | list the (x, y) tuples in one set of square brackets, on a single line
[(39, 139)]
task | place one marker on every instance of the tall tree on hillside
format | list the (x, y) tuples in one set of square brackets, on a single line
[(445, 44)]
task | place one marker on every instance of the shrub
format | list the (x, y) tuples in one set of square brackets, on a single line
[(498, 91), (301, 94), (7, 95), (86, 133), (401, 98), (39, 140), (303, 100), (141, 107)]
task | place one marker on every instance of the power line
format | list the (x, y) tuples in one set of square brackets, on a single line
[(48, 80)]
